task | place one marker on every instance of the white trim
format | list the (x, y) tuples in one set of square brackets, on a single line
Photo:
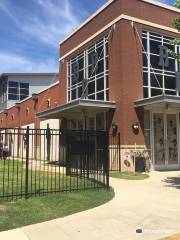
[(174, 9), (121, 17), (162, 5), (29, 74), (88, 20)]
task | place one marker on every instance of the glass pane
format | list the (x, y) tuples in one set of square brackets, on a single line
[(24, 85), (155, 92), (13, 84), (100, 121), (156, 80), (172, 139), (13, 91), (22, 97), (159, 146), (73, 124), (91, 87), (24, 92), (154, 47), (91, 124), (154, 60), (144, 44), (100, 96), (12, 97), (80, 124), (147, 129), (145, 78), (145, 92), (171, 66), (100, 84), (170, 82)]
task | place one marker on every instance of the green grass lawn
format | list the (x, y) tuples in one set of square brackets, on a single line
[(22, 212), (129, 175), (46, 178), (38, 209)]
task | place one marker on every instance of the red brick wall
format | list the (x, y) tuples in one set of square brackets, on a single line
[(24, 117), (125, 63), (134, 8)]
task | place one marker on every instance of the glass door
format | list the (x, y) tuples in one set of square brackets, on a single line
[(172, 146), (159, 138), (165, 139)]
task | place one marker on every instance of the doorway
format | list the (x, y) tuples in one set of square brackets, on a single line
[(165, 140)]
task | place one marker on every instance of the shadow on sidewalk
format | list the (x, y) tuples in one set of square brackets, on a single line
[(172, 182)]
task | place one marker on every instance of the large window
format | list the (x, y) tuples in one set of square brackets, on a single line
[(17, 90), (159, 68), (88, 73)]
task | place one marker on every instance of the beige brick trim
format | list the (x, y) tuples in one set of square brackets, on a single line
[(153, 2), (121, 17)]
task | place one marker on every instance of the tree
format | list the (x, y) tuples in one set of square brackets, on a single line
[(176, 41)]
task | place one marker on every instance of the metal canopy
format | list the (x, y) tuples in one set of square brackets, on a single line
[(162, 101), (77, 107)]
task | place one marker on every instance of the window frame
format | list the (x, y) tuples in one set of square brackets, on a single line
[(19, 95), (93, 47), (148, 37)]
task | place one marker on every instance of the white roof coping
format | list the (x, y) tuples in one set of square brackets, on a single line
[(154, 2)]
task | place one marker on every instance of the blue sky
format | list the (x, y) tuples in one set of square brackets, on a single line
[(31, 30)]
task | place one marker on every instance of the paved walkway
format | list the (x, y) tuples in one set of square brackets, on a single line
[(152, 204)]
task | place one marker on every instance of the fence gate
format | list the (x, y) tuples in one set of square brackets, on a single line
[(35, 162), (88, 156)]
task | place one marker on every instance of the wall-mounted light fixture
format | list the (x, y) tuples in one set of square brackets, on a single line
[(35, 96), (12, 116), (27, 111), (114, 128), (17, 105), (48, 103), (5, 111), (135, 128)]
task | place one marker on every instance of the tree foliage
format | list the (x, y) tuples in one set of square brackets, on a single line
[(176, 41)]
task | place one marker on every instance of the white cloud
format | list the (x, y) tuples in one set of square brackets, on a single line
[(55, 20), (48, 22), (17, 63)]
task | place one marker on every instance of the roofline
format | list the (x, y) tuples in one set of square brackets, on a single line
[(88, 20), (153, 2), (26, 99), (80, 102), (157, 99), (29, 74), (119, 18), (163, 5), (41, 91)]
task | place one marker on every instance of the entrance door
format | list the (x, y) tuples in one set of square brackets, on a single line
[(165, 140)]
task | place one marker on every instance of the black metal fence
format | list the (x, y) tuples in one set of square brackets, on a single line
[(35, 162), (114, 152)]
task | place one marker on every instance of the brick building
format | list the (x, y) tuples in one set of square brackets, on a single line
[(116, 75)]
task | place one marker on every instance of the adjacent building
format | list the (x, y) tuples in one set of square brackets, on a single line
[(15, 87)]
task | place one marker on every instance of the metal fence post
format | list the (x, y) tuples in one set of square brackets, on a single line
[(48, 139), (106, 152), (27, 161), (119, 152)]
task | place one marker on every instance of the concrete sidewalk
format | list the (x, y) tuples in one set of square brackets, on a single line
[(152, 204)]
